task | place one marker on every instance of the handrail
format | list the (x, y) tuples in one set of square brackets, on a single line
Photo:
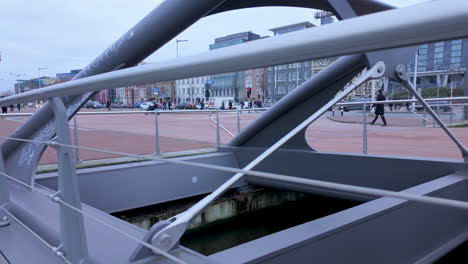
[(221, 126), (422, 117), (147, 112), (407, 101), (281, 177), (356, 35)]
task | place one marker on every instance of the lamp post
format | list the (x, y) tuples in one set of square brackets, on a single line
[(177, 45), (17, 75), (19, 84), (39, 80), (413, 105)]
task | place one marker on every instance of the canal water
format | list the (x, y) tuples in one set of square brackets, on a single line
[(225, 234)]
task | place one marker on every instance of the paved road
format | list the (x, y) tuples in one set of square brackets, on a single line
[(134, 133)]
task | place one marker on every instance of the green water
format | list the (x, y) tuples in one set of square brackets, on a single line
[(222, 235)]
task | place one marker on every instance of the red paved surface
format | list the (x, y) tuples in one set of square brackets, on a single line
[(134, 133), (395, 120)]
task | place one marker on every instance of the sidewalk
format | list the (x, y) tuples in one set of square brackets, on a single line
[(393, 120)]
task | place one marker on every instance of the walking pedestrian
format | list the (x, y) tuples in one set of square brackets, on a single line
[(4, 108), (12, 107), (407, 106), (379, 109), (108, 104), (169, 105), (18, 105)]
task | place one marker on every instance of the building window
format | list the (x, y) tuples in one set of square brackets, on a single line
[(439, 49), (456, 53), (438, 55), (422, 51), (438, 62), (439, 44), (455, 60), (456, 47), (422, 57), (457, 41), (183, 91)]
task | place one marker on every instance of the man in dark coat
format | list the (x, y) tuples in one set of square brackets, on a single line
[(379, 109), (4, 108)]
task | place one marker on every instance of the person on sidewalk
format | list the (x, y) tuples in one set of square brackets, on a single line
[(4, 108), (18, 106), (379, 109)]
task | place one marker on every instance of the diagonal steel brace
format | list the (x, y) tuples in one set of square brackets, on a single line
[(170, 235), (404, 80)]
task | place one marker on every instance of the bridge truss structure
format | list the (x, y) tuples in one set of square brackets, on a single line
[(415, 210)]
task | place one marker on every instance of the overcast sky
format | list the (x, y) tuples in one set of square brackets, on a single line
[(64, 35)]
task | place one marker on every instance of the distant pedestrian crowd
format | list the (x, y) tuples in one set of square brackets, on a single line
[(12, 108)]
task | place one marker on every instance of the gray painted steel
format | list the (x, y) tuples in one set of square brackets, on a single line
[(135, 45), (42, 215), (298, 105), (174, 231), (347, 37), (4, 193), (385, 230), (384, 172), (401, 72), (361, 7), (384, 227), (71, 222), (108, 188)]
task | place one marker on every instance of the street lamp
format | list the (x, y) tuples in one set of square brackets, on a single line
[(17, 75), (177, 45), (19, 84)]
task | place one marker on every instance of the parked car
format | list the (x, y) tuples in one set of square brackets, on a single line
[(442, 105), (93, 105), (184, 106), (209, 105), (347, 108), (146, 105)]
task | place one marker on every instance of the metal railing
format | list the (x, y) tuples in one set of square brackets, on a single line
[(237, 113), (425, 120), (332, 40), (156, 113)]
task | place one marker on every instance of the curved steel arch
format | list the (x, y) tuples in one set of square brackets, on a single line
[(361, 7), (129, 50)]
